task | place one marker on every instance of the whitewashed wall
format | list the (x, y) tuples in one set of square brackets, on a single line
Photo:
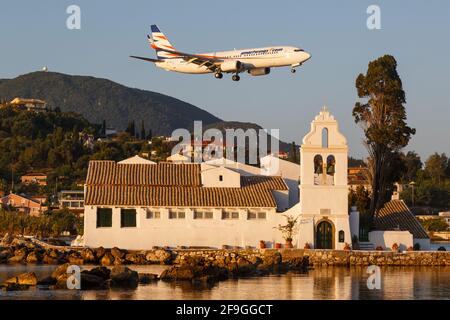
[(183, 232), (386, 239)]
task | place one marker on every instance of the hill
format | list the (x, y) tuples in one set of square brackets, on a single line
[(101, 99)]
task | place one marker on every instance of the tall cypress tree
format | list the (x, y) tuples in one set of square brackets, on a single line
[(382, 116), (142, 130)]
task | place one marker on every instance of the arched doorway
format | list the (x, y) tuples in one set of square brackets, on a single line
[(324, 235)]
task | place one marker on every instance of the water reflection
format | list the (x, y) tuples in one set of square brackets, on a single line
[(321, 283)]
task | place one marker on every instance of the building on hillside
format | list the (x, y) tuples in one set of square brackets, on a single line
[(137, 206), (23, 204), (357, 176), (41, 198), (445, 216), (34, 178), (395, 223), (72, 200), (29, 104)]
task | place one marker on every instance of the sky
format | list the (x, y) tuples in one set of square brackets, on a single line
[(33, 34)]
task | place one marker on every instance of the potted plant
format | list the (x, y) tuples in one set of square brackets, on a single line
[(395, 247), (307, 246), (288, 230), (347, 247), (262, 244), (379, 248)]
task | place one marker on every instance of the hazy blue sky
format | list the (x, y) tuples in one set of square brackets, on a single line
[(33, 34)]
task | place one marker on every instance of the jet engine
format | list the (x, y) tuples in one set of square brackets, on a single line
[(259, 71), (231, 66)]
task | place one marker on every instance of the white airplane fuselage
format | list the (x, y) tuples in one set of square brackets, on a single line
[(268, 57)]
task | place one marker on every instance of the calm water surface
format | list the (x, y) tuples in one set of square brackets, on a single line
[(321, 283)]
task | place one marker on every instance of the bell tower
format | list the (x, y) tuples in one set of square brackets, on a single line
[(323, 185)]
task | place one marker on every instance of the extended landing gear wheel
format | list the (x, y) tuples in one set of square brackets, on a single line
[(235, 77), (293, 70), (218, 75)]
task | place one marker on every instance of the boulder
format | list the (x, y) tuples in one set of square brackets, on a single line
[(4, 255), (47, 281), (99, 252), (6, 240), (135, 258), (271, 257), (91, 281), (124, 277), (119, 261), (88, 255), (49, 260), (107, 259), (14, 287), (27, 279), (117, 253), (76, 259), (60, 270), (159, 256), (101, 272), (33, 257), (17, 258), (145, 278), (178, 273)]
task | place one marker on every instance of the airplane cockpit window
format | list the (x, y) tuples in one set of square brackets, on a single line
[(297, 50)]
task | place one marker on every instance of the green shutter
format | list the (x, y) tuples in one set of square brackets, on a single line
[(128, 218), (104, 217)]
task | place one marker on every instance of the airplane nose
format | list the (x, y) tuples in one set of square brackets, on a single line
[(306, 56)]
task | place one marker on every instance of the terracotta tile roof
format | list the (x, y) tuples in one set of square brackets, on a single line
[(267, 182), (164, 174), (395, 215), (168, 184)]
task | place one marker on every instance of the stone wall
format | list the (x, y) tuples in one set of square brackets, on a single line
[(325, 257)]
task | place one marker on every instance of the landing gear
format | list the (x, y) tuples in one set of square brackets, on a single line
[(293, 70), (235, 77), (218, 75)]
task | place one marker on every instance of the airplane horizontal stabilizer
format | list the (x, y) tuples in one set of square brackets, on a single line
[(145, 59)]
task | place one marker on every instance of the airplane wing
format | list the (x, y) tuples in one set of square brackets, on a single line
[(211, 62), (145, 59)]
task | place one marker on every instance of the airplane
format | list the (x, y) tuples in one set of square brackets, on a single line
[(257, 61)]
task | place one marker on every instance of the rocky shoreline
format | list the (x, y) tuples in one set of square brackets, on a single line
[(195, 265)]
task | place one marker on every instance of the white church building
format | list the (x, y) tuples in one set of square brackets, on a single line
[(138, 204)]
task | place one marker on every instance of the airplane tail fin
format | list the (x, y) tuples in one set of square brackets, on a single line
[(159, 41)]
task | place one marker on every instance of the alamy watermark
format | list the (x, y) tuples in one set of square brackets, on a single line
[(374, 20), (74, 279), (374, 280), (73, 22), (244, 146)]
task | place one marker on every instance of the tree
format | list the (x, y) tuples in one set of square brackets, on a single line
[(435, 224), (131, 128), (103, 130), (142, 130), (293, 155), (436, 166), (382, 116), (412, 164), (353, 162), (150, 135)]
